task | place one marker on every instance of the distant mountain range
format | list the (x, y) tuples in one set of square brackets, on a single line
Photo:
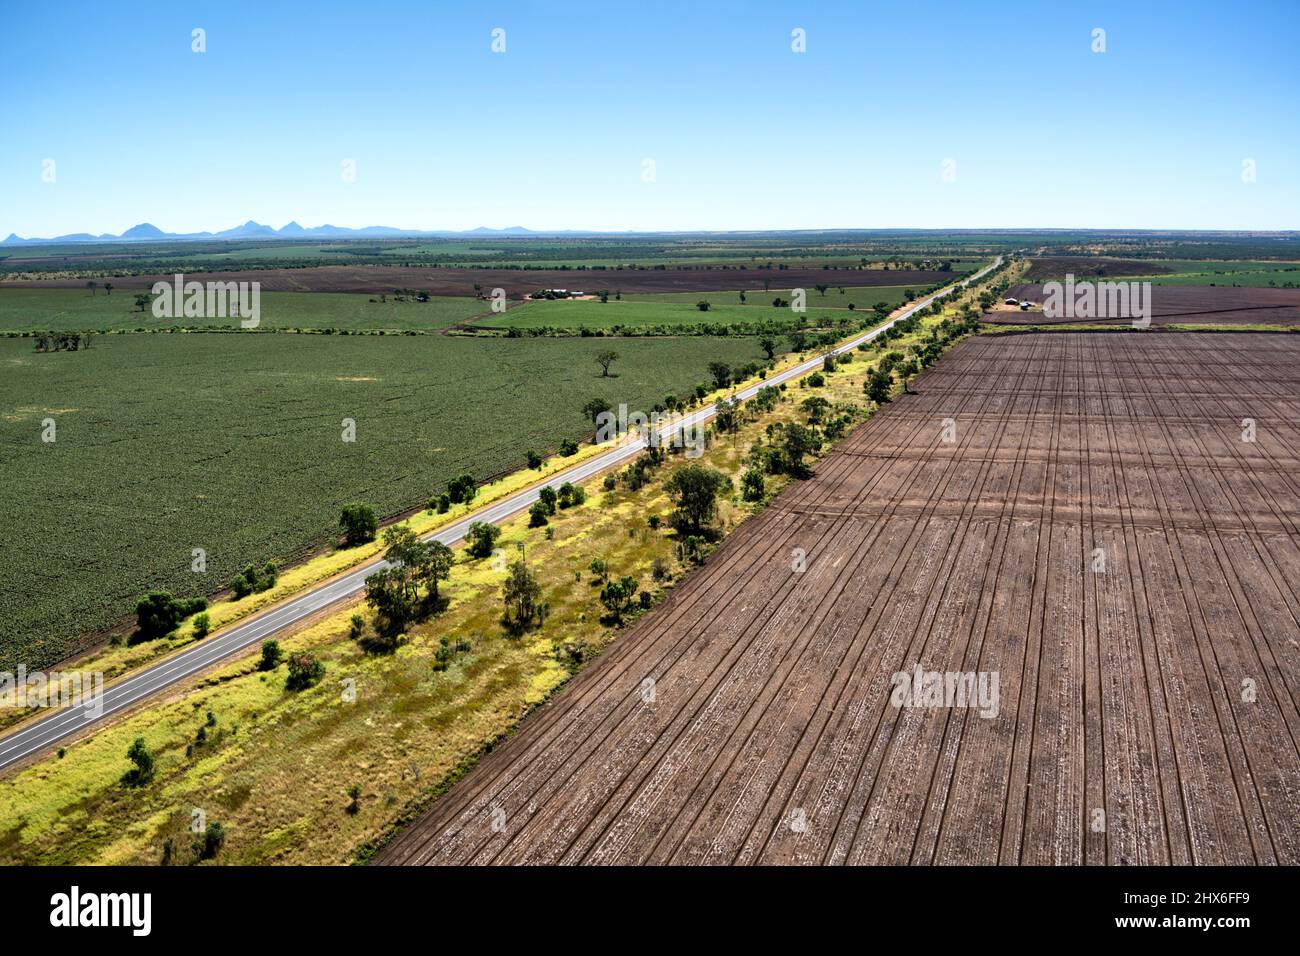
[(148, 232)]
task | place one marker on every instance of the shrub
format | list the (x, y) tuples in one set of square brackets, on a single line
[(751, 485), (534, 460), (305, 670), (568, 447), (158, 614), (538, 514), (214, 838), (617, 597), (201, 625), (548, 497), (143, 771), (270, 656), (461, 489), (482, 538)]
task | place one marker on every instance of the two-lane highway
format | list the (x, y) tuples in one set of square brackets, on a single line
[(59, 725)]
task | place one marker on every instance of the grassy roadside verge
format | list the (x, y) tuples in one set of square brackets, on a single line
[(275, 767)]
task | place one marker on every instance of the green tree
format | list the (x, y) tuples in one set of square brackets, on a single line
[(270, 656), (142, 773), (605, 358), (768, 345), (617, 596), (482, 538), (358, 523), (595, 408), (877, 385), (796, 443), (414, 565), (695, 491), (522, 596), (752, 485), (721, 373), (461, 489), (157, 614)]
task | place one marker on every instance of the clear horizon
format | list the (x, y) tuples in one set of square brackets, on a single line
[(683, 120)]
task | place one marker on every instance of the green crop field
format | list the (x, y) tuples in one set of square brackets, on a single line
[(233, 443), (637, 315), (1246, 273), (76, 310), (862, 297)]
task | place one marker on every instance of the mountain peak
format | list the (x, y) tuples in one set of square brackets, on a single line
[(145, 230)]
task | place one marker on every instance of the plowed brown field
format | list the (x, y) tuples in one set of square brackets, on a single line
[(1181, 304), (1147, 709)]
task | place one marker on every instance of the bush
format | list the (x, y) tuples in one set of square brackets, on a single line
[(461, 489), (251, 580), (214, 838), (751, 485), (568, 447), (538, 514), (693, 549), (143, 771), (270, 656), (358, 523), (201, 625), (571, 495), (440, 504), (304, 671), (610, 482), (534, 460), (547, 496), (482, 538), (157, 614), (617, 597)]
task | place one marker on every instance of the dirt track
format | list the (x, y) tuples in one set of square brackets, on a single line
[(1181, 304), (518, 282), (1123, 733)]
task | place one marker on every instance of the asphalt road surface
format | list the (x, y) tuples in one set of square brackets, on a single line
[(59, 725)]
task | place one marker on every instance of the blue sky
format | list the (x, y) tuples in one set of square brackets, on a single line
[(744, 133)]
